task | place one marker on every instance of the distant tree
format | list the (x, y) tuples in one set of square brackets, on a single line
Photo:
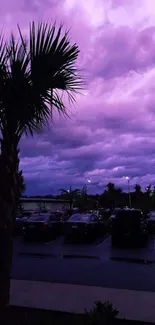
[(148, 189), (41, 206), (118, 196), (110, 187), (148, 198), (84, 201), (70, 195), (113, 195), (137, 197), (137, 188), (84, 191)]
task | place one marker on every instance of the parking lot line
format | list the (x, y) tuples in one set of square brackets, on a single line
[(71, 256), (104, 241), (36, 254), (49, 242)]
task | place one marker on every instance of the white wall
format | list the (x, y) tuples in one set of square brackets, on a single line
[(54, 206)]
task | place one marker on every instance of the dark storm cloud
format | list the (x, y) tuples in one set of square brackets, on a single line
[(112, 132)]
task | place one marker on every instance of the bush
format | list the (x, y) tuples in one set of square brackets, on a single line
[(102, 313)]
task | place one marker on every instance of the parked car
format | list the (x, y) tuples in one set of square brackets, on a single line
[(86, 226), (151, 222), (40, 226), (19, 223), (58, 219), (128, 225), (104, 217)]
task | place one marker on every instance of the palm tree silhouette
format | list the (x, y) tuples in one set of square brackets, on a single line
[(33, 75)]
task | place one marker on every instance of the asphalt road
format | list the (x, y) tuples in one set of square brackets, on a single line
[(95, 264)]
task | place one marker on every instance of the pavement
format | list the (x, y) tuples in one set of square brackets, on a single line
[(96, 264), (132, 305), (70, 277)]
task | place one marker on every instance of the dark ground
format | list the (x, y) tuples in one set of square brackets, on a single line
[(28, 316)]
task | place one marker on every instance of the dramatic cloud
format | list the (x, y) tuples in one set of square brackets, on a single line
[(111, 133)]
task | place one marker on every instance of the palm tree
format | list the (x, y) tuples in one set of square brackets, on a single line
[(33, 75), (110, 193), (70, 195), (113, 194), (110, 187), (137, 196), (148, 197)]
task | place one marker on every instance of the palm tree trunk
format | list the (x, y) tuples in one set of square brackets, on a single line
[(6, 250), (10, 192)]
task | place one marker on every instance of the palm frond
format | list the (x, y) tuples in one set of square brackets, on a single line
[(3, 59), (63, 191), (3, 55), (53, 59), (33, 77)]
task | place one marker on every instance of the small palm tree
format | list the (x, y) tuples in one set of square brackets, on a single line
[(70, 195), (33, 75)]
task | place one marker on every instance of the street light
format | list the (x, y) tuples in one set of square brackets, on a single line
[(87, 181), (128, 179)]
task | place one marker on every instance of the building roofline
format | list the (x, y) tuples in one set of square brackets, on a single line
[(39, 199)]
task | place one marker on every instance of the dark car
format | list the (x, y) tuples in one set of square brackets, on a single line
[(83, 226), (128, 226), (151, 222), (39, 227), (19, 223), (58, 219)]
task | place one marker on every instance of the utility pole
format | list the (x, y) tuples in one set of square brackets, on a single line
[(129, 194)]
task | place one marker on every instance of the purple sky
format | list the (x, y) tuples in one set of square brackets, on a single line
[(111, 133)]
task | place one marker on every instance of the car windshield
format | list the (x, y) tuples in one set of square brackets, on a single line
[(56, 216), (80, 217), (38, 218), (152, 214)]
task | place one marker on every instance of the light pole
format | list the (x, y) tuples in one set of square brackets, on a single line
[(87, 181), (70, 198), (129, 194)]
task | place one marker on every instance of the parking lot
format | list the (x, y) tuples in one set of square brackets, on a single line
[(95, 264)]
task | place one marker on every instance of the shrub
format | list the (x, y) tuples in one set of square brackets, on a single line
[(102, 313)]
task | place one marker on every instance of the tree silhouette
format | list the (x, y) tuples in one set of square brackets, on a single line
[(70, 195)]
